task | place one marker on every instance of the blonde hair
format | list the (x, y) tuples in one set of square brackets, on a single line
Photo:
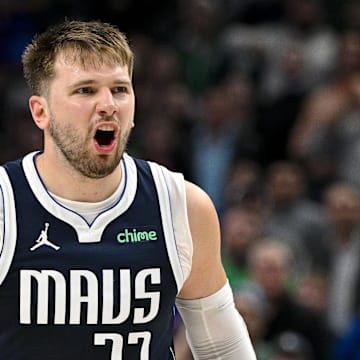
[(90, 43)]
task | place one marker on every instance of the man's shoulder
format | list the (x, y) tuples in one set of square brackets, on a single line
[(154, 164), (16, 163), (157, 169)]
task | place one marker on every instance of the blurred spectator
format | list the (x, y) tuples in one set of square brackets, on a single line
[(291, 71), (160, 140), (197, 40), (275, 123), (240, 91), (213, 142), (270, 263), (143, 47), (157, 70), (326, 135), (252, 305), (296, 52), (342, 202), (240, 231), (294, 218), (222, 133), (163, 114), (308, 53), (163, 66), (312, 291), (290, 345), (287, 58), (244, 186)]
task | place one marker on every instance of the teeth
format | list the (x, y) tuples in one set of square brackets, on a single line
[(106, 128)]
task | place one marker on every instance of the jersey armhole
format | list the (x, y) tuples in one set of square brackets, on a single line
[(8, 228), (172, 197)]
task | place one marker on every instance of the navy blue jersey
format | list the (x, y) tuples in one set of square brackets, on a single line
[(100, 290)]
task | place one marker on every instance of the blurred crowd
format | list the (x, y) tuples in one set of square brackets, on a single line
[(258, 102)]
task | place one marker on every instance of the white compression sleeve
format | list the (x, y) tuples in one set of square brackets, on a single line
[(214, 328)]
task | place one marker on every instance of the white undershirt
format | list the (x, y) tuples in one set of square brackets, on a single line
[(89, 210)]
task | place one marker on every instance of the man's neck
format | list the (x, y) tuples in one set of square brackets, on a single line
[(70, 184)]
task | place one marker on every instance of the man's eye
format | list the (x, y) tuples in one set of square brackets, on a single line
[(85, 90), (120, 89)]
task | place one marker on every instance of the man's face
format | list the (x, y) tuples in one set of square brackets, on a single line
[(91, 114), (270, 272)]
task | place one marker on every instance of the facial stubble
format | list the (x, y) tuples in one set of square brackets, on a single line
[(75, 149)]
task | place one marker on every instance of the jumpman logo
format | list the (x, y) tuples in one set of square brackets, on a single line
[(43, 240)]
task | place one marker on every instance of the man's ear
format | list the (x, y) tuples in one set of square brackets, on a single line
[(39, 111)]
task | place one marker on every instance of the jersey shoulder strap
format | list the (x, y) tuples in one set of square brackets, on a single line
[(172, 197)]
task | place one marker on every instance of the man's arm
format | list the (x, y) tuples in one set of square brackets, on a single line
[(215, 329), (207, 273)]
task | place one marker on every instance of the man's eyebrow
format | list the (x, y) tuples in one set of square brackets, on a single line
[(92, 82), (122, 82)]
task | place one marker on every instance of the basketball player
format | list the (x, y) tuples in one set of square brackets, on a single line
[(97, 247)]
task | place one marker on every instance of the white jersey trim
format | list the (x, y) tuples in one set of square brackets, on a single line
[(87, 232), (172, 199), (8, 222)]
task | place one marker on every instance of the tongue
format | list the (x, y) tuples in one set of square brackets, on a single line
[(104, 148)]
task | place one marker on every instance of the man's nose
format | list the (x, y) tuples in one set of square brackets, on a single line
[(105, 105)]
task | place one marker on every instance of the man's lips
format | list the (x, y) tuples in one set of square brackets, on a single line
[(106, 126), (105, 149)]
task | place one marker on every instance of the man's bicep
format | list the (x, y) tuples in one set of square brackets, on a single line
[(207, 273)]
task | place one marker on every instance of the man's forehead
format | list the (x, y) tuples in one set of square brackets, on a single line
[(86, 60), (78, 63)]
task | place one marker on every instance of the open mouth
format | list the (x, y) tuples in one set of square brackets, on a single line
[(104, 137)]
